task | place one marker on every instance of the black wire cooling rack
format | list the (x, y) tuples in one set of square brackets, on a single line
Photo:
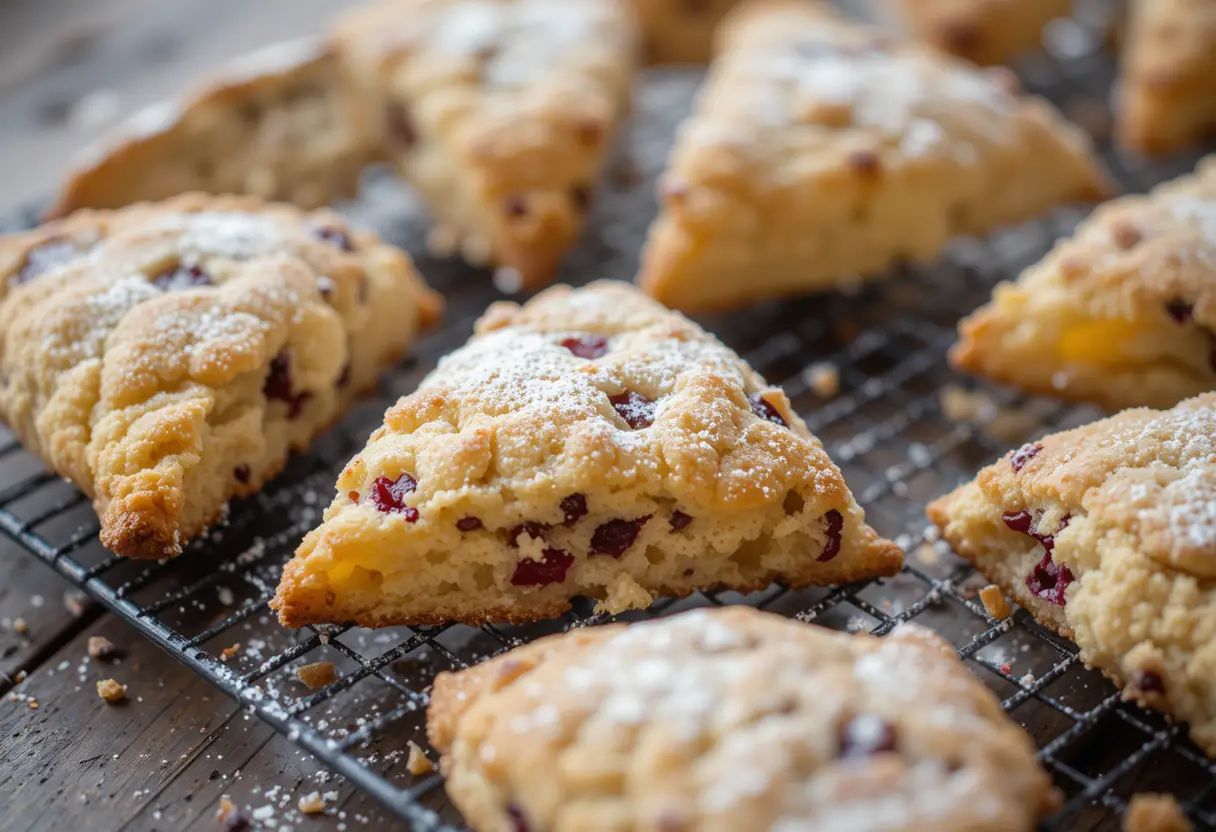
[(902, 427)]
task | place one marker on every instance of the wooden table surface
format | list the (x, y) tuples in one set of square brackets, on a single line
[(161, 761)]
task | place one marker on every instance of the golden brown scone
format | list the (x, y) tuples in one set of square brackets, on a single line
[(499, 113), (280, 124), (1122, 314), (1155, 813), (680, 31), (730, 720), (1107, 534), (1167, 95), (167, 356), (590, 443), (982, 31), (821, 150)]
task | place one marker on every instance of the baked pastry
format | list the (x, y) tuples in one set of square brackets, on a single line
[(280, 124), (1166, 96), (1107, 534), (821, 150), (732, 719), (166, 357), (680, 31), (982, 31), (1121, 314), (590, 443), (1155, 813), (500, 114)]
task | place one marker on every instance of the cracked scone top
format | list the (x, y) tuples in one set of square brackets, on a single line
[(982, 31), (499, 112), (729, 720), (1123, 313), (588, 443), (167, 356), (280, 123), (820, 150), (1107, 533)]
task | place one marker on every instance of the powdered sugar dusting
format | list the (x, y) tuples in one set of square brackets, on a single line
[(233, 234), (1188, 508)]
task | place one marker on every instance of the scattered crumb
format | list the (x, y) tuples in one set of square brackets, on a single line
[(443, 241), (932, 533), (230, 652), (231, 818), (418, 762), (101, 648), (33, 703), (1007, 668), (962, 405), (476, 251), (823, 378), (1155, 813), (20, 677), (312, 804), (20, 626), (316, 675), (1027, 680), (927, 554), (508, 280), (111, 691), (75, 602), (994, 602)]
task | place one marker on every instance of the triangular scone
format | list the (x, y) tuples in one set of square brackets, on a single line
[(588, 443), (680, 31), (500, 114), (982, 31), (279, 124), (167, 356), (1122, 314), (821, 150), (733, 720), (1167, 93), (1107, 534)]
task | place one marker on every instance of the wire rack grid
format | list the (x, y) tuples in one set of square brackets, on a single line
[(892, 427)]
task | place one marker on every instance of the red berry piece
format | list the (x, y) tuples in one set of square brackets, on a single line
[(519, 823), (835, 526), (242, 474), (278, 385), (764, 410), (468, 524), (1048, 580), (588, 346), (865, 736), (534, 530), (182, 277), (679, 520), (637, 411), (514, 206), (1021, 521), (46, 256), (615, 536), (389, 496), (401, 126), (575, 509), (1023, 455), (550, 569), (1149, 681), (1180, 311), (335, 236)]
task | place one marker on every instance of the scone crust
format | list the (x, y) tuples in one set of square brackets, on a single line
[(679, 31), (1142, 267), (731, 719), (167, 356), (820, 150), (982, 31), (1166, 97), (515, 424), (280, 124), (1139, 543), (501, 120)]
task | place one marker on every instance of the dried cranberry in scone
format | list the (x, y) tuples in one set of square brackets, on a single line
[(1109, 537), (740, 720), (541, 469), (197, 342)]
